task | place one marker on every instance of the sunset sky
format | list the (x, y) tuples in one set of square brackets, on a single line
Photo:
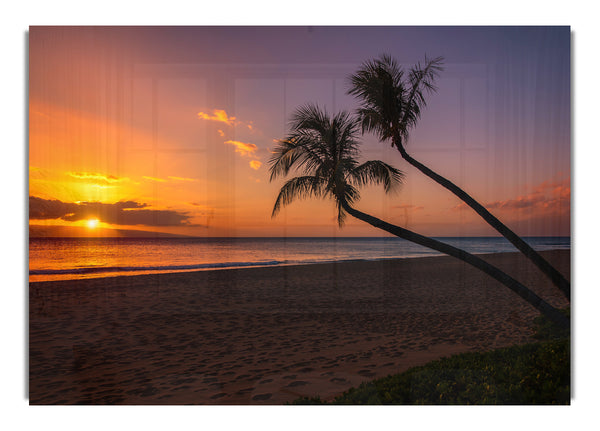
[(170, 129)]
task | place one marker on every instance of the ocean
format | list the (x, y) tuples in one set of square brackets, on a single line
[(77, 258)]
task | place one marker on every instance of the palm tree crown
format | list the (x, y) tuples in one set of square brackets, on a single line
[(391, 101), (324, 151)]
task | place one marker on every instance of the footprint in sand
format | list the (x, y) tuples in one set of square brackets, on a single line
[(261, 397), (331, 365), (297, 383), (242, 376)]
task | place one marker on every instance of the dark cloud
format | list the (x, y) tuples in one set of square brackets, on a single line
[(120, 213)]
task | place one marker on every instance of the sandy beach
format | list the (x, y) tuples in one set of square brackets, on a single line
[(268, 335)]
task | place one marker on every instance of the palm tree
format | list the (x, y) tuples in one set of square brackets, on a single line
[(391, 104), (324, 151)]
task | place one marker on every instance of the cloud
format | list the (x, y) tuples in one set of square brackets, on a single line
[(547, 196), (520, 202), (96, 177), (245, 149), (200, 206), (182, 179), (170, 178), (127, 213), (219, 115), (41, 114), (158, 180), (36, 173)]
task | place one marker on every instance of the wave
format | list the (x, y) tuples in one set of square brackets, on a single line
[(101, 269), (208, 266)]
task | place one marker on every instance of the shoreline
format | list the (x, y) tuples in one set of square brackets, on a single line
[(268, 335), (223, 267)]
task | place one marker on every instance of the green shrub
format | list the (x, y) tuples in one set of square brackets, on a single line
[(531, 374), (308, 401), (537, 373), (545, 329)]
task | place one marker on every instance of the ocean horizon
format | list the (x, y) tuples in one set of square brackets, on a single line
[(79, 258)]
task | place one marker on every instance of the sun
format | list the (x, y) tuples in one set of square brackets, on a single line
[(92, 223)]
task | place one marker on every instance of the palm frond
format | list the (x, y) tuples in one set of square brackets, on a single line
[(421, 79), (377, 172), (310, 117), (296, 150), (299, 188)]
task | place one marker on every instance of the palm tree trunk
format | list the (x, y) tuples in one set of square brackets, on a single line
[(556, 277), (552, 313)]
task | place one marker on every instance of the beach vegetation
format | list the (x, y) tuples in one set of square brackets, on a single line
[(537, 373), (534, 373), (546, 330)]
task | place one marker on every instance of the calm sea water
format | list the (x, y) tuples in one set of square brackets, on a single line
[(74, 258)]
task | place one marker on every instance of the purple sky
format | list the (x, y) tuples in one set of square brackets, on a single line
[(125, 102)]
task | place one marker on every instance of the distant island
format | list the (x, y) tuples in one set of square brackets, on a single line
[(38, 231)]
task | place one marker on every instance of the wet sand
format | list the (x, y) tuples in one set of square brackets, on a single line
[(268, 335)]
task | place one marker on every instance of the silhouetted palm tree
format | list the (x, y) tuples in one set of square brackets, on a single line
[(324, 151), (391, 103)]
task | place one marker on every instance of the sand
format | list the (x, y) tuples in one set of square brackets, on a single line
[(268, 335)]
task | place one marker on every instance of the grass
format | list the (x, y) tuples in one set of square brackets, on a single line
[(536, 373)]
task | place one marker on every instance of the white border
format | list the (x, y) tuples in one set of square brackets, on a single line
[(15, 21)]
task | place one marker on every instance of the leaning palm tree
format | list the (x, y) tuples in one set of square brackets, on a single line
[(325, 150), (391, 104)]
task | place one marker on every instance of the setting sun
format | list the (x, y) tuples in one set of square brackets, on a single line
[(92, 223)]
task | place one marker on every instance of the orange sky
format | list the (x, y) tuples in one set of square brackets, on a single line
[(174, 137)]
